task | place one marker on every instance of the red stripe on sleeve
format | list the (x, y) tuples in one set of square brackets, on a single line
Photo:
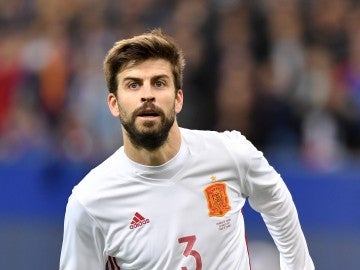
[(114, 263), (111, 264)]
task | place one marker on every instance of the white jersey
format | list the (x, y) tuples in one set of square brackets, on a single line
[(185, 214)]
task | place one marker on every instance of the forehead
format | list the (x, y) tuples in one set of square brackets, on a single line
[(146, 69)]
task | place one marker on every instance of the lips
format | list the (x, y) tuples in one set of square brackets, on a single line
[(148, 111)]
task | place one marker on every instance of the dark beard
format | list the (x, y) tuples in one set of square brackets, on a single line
[(151, 140)]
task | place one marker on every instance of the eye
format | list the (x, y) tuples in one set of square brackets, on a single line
[(159, 83), (133, 85)]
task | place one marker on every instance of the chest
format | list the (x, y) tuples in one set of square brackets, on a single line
[(180, 224)]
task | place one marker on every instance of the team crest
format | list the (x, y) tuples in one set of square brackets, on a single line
[(217, 199)]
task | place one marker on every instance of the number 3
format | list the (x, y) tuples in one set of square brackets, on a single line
[(190, 240)]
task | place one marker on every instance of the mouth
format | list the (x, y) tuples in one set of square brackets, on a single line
[(148, 114)]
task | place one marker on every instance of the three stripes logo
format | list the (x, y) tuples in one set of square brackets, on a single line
[(138, 221), (111, 264)]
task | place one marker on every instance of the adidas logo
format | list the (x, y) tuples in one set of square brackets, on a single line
[(138, 221)]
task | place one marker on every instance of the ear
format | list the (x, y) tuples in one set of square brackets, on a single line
[(113, 104), (179, 99)]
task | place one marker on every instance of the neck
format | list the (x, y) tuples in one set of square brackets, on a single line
[(158, 156)]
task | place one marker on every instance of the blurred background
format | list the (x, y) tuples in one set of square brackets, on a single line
[(286, 73)]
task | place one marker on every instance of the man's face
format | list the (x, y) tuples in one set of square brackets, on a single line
[(146, 102)]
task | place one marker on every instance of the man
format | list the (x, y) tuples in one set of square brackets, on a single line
[(172, 198)]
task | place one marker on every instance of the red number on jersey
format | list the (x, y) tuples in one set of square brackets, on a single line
[(190, 240)]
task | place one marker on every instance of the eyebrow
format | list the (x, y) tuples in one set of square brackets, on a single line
[(154, 78), (161, 76), (131, 79)]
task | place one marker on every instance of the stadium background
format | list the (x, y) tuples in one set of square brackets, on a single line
[(284, 72)]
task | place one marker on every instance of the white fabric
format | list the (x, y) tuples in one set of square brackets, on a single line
[(173, 203)]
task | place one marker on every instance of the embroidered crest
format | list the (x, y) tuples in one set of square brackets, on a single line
[(217, 199)]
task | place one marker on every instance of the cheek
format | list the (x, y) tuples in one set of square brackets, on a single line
[(124, 110), (170, 105)]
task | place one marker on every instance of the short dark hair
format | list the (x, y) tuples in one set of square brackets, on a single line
[(153, 44)]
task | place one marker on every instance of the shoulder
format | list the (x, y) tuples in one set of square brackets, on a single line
[(211, 134), (213, 139), (76, 213), (100, 179), (229, 147)]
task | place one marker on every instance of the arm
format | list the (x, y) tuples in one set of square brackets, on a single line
[(83, 243), (269, 195)]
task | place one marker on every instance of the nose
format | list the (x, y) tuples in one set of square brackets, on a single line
[(147, 93), (147, 99)]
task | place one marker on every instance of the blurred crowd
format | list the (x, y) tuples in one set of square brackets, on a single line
[(286, 73)]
